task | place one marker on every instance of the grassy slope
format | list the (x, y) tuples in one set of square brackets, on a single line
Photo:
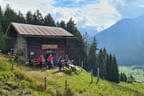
[(27, 81)]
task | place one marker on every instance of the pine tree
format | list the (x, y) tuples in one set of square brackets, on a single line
[(115, 70), (2, 40), (92, 65), (86, 44), (109, 67), (71, 26), (102, 63), (112, 69), (57, 24), (9, 16), (29, 18), (75, 46), (20, 18), (1, 15), (63, 24), (49, 21), (123, 77), (37, 18), (86, 49)]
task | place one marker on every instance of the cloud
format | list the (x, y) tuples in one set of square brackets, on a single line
[(129, 8), (25, 5), (98, 14), (77, 1)]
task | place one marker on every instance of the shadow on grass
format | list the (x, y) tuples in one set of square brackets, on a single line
[(57, 71), (64, 71)]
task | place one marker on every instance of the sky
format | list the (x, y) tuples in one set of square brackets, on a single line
[(91, 14)]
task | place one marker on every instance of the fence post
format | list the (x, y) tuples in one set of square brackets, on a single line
[(45, 84), (98, 76), (0, 52), (82, 64), (98, 72), (12, 61), (65, 84), (91, 75)]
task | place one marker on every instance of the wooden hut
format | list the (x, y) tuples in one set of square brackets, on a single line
[(30, 41)]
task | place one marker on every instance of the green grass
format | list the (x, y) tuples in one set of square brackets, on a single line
[(139, 73), (24, 80)]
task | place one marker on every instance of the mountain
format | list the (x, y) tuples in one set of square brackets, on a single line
[(125, 40)]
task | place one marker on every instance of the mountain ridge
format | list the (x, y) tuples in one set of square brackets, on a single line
[(125, 40)]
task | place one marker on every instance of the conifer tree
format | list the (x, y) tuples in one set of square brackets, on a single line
[(9, 16), (75, 46), (109, 67), (102, 63), (37, 18), (57, 24), (2, 40), (92, 57), (49, 21), (112, 69), (115, 70), (1, 15), (29, 18), (20, 18), (63, 24), (123, 77), (86, 49)]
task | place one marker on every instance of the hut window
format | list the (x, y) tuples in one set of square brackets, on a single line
[(49, 46)]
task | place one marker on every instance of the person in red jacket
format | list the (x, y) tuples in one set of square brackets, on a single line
[(40, 59), (50, 61)]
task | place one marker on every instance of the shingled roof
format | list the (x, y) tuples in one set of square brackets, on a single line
[(37, 30)]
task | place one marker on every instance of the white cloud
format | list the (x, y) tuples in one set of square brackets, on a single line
[(98, 15), (25, 5), (77, 1)]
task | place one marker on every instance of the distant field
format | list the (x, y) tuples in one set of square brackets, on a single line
[(136, 71)]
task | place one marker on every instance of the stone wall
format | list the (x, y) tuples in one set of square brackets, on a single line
[(21, 47)]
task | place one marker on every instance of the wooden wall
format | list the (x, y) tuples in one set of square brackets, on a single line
[(34, 44)]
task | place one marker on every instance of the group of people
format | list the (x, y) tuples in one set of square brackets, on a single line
[(49, 61)]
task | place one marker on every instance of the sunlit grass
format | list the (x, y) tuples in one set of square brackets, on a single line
[(30, 81)]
